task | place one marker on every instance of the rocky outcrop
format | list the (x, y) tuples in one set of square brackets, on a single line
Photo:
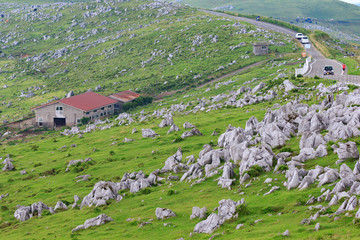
[(97, 221), (168, 121), (190, 133), (102, 192), (61, 206), (198, 213), (173, 128), (162, 213), (227, 210), (347, 150), (148, 133), (24, 213), (173, 163)]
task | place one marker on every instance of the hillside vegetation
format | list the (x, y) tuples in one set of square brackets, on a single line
[(334, 14), (149, 47), (51, 176), (256, 154)]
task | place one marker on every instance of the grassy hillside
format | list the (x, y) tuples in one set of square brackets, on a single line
[(335, 14), (47, 180), (145, 46)]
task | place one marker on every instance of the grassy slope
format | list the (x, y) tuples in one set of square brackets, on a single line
[(135, 156), (102, 63), (337, 14)]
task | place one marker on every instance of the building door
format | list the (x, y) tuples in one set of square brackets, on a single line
[(59, 122)]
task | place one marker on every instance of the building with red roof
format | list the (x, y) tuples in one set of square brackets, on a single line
[(69, 111), (125, 96)]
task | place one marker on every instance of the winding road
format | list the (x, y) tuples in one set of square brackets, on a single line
[(318, 60)]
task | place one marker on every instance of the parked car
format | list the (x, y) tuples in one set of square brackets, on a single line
[(299, 36), (328, 70), (304, 40)]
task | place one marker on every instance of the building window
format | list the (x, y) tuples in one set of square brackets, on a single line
[(95, 111), (109, 106), (117, 106), (78, 120), (101, 114), (59, 110), (264, 47), (87, 113), (102, 108), (97, 116)]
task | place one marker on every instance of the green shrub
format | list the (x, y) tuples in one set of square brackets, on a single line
[(34, 147), (353, 87), (4, 208), (140, 101), (178, 139), (316, 77), (286, 149), (299, 76), (112, 153), (84, 120), (255, 171), (171, 192), (145, 191), (271, 209), (242, 209), (51, 172), (328, 146), (283, 168), (293, 77)]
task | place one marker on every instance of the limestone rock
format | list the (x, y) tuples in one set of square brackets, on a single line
[(190, 133), (188, 125), (198, 212), (162, 213), (347, 150), (173, 128), (60, 205), (148, 133), (97, 221), (101, 192), (168, 121)]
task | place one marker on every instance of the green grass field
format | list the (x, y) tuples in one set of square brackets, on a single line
[(335, 14), (132, 49), (50, 183)]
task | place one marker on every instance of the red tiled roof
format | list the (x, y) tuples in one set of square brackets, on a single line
[(125, 96), (85, 101)]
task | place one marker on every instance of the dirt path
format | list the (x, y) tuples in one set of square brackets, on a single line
[(160, 96), (232, 73)]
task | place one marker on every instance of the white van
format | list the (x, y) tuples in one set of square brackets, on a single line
[(304, 40)]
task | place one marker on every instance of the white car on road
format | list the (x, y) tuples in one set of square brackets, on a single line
[(299, 36), (305, 40)]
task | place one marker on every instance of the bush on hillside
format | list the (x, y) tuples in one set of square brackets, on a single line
[(255, 171), (140, 101)]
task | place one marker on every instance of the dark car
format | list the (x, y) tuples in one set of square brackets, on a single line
[(328, 70)]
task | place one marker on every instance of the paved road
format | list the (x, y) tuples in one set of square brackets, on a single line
[(318, 60)]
